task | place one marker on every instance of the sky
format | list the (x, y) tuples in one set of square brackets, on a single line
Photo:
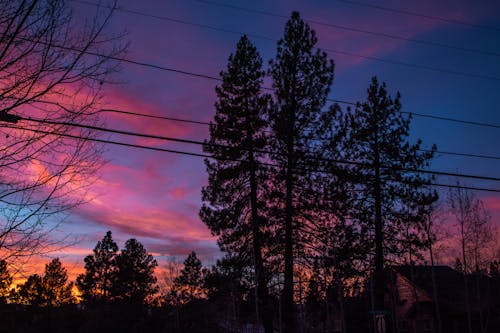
[(155, 197)]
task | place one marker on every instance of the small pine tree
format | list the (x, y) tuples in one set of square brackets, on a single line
[(30, 292), (458, 265), (57, 290), (50, 290), (5, 281), (190, 280)]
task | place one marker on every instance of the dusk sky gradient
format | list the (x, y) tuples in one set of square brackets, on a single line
[(155, 197)]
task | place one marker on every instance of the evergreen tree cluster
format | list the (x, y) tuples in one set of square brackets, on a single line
[(293, 182), (111, 276), (51, 289)]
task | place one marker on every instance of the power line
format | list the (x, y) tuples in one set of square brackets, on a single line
[(341, 52), (202, 155), (466, 187), (490, 157), (197, 122), (112, 142), (354, 29), (426, 16), (209, 77), (189, 121), (201, 143), (461, 121)]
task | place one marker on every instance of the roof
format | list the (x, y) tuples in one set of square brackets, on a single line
[(450, 283)]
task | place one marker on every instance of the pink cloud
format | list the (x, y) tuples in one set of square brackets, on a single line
[(116, 99), (179, 192)]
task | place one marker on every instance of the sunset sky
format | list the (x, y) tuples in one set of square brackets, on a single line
[(155, 196)]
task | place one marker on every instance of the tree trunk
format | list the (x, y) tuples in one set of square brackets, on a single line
[(466, 285), (263, 309), (433, 278), (379, 236), (288, 315)]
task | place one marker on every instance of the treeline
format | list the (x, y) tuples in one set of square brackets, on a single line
[(120, 292)]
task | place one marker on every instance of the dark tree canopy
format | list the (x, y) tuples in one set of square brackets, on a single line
[(5, 281), (302, 76), (100, 270), (237, 139), (50, 290), (378, 139), (30, 292), (134, 281), (234, 201), (127, 276), (229, 279), (190, 281), (391, 198), (57, 290)]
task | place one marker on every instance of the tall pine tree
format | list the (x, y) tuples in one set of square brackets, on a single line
[(302, 76), (390, 196), (233, 200)]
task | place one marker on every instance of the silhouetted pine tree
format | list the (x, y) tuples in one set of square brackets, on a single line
[(230, 278), (100, 270), (190, 281), (5, 281), (50, 290), (30, 292), (233, 208), (228, 284), (135, 280), (391, 199), (314, 300), (57, 290), (302, 76)]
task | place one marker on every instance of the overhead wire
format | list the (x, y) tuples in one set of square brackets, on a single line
[(202, 143), (198, 75), (205, 123), (352, 29), (214, 78), (130, 145), (329, 50), (421, 15)]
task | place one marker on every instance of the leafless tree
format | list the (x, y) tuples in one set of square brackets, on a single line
[(476, 233), (52, 69), (476, 238)]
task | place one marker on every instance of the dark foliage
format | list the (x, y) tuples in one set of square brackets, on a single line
[(302, 75), (189, 284), (100, 271), (50, 290), (134, 281), (5, 281), (390, 198), (234, 207)]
